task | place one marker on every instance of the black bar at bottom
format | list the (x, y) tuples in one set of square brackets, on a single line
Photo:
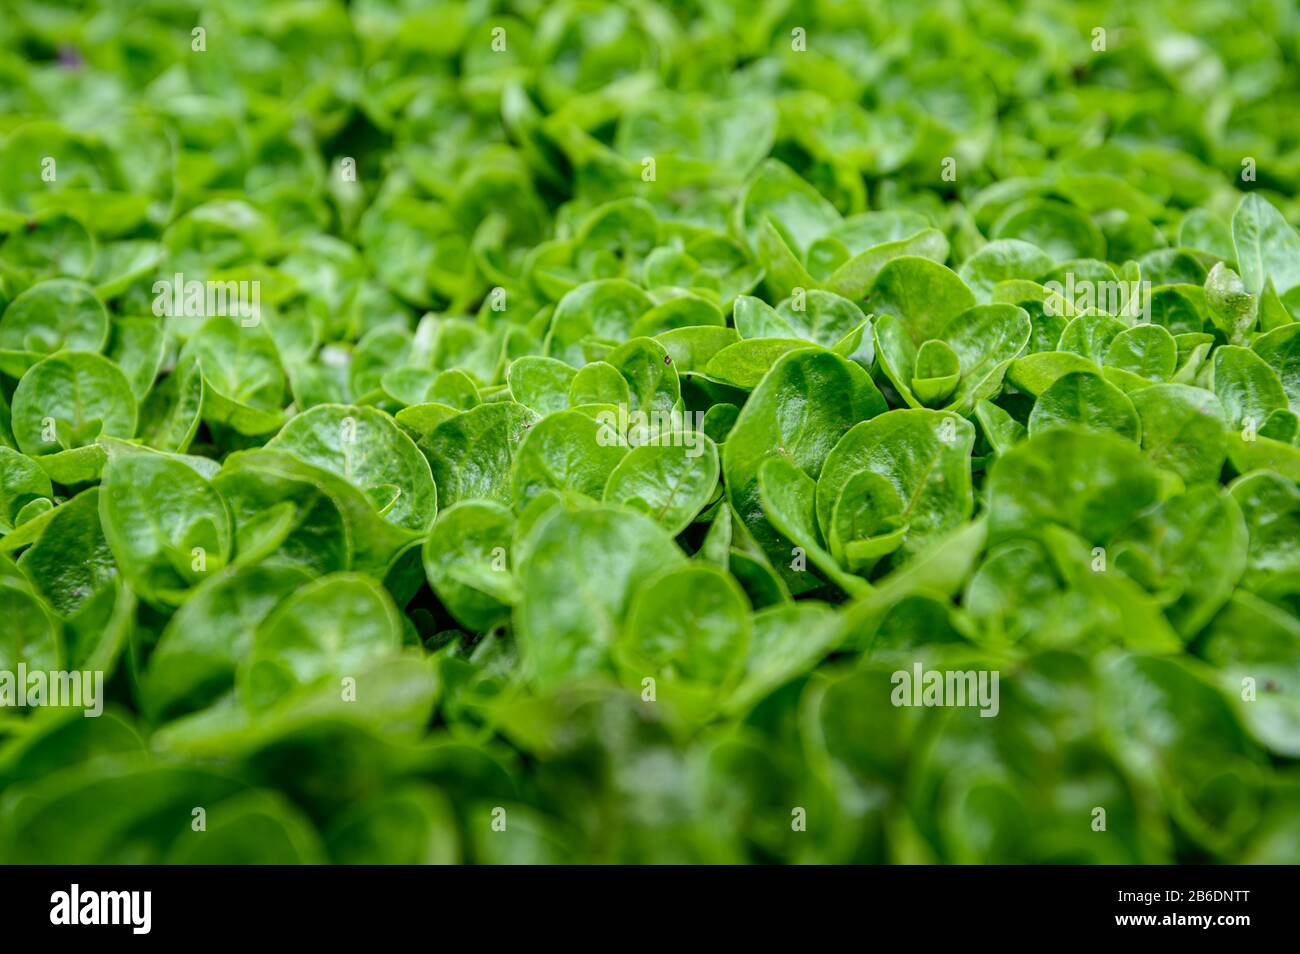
[(334, 904)]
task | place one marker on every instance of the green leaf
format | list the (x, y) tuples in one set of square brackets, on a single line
[(1000, 260), (55, 315), (467, 561), (243, 382), (1246, 385), (799, 411), (1232, 309), (855, 277), (925, 456), (690, 623), (33, 635), (744, 363), (210, 635), (1256, 644), (1090, 482), (68, 400), (171, 413), (1270, 506), (599, 383), (775, 192), (168, 528), (471, 454), (788, 496), (923, 294), (568, 618), (541, 384), (1060, 230), (1182, 430), (70, 563), (986, 339), (1280, 349), (1035, 373), (1148, 352), (22, 482), (365, 447), (1266, 245), (670, 480), (1190, 551), (1000, 429), (331, 628), (567, 451), (1087, 400), (602, 310), (937, 371)]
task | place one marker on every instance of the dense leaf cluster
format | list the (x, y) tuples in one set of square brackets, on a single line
[(630, 390)]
